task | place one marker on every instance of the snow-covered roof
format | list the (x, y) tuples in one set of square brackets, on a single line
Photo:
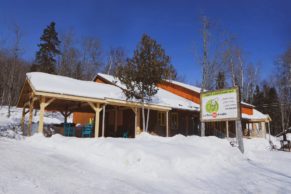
[(247, 104), (257, 115), (112, 80), (187, 86), (43, 82), (197, 89), (162, 95)]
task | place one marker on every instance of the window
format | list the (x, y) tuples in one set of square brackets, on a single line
[(174, 121), (162, 118)]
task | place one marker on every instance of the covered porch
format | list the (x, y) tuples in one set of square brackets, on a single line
[(103, 109)]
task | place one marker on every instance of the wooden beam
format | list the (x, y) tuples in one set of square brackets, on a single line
[(70, 97), (65, 114), (92, 106), (136, 104), (49, 101)]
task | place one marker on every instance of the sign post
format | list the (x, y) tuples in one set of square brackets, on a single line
[(222, 105)]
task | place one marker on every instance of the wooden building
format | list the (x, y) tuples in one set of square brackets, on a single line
[(254, 123), (173, 110), (106, 104)]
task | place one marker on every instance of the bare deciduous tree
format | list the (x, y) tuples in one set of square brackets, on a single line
[(91, 56), (13, 70), (69, 62), (116, 57), (284, 87)]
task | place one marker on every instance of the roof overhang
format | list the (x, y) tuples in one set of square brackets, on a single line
[(28, 90)]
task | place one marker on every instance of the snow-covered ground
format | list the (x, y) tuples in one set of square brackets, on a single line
[(147, 164)]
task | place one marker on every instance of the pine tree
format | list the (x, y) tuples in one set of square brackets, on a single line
[(170, 73), (143, 72), (220, 80), (258, 98), (48, 50)]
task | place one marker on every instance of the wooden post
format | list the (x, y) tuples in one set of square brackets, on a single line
[(41, 114), (43, 105), (97, 121), (115, 120), (202, 129), (227, 129), (103, 119), (66, 114), (97, 109), (31, 105), (23, 117), (264, 131), (138, 128), (135, 122), (167, 124)]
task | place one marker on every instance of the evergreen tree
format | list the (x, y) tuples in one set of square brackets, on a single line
[(143, 72), (267, 101), (220, 80), (258, 98), (48, 50), (170, 73)]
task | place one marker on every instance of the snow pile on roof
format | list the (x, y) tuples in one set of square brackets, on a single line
[(112, 79), (162, 97), (146, 164), (197, 89), (257, 115), (187, 86), (43, 82), (247, 104)]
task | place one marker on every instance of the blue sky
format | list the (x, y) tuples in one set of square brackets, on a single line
[(262, 28)]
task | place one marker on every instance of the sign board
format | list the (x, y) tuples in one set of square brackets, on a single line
[(219, 105)]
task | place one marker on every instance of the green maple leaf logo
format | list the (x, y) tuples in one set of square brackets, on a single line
[(212, 106)]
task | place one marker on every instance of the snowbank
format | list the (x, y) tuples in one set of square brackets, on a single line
[(147, 164), (148, 155)]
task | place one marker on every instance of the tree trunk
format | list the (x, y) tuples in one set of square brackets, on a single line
[(282, 117)]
